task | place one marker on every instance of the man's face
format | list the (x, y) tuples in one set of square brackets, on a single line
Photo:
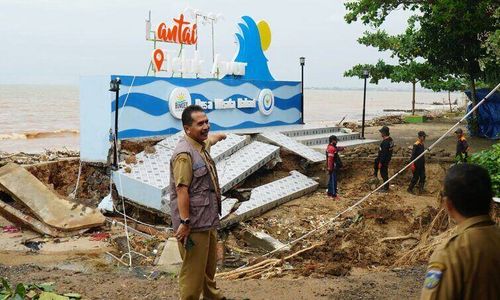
[(458, 135), (421, 138), (200, 127)]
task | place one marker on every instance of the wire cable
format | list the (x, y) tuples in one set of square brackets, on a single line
[(329, 222)]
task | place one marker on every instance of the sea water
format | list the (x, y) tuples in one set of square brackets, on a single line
[(38, 117)]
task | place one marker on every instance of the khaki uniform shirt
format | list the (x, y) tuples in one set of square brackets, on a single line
[(467, 266), (183, 165)]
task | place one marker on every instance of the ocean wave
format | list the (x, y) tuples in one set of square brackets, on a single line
[(38, 134)]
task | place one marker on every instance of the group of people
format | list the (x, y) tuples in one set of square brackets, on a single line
[(465, 267), (381, 163)]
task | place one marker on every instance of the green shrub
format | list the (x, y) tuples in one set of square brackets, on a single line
[(490, 159)]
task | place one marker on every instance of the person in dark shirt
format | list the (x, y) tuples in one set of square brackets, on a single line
[(462, 147), (384, 157), (418, 167)]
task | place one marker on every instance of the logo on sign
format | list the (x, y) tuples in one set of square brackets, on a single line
[(266, 102), (179, 99)]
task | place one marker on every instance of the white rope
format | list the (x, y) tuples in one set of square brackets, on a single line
[(328, 223), (120, 179), (73, 194), (146, 224)]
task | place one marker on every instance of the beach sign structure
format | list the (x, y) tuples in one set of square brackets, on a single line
[(236, 94)]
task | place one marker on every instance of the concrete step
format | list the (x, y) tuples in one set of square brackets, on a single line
[(292, 145), (146, 182), (271, 195), (236, 168), (321, 139), (310, 129), (244, 163)]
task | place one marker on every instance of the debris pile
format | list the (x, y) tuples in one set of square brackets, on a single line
[(22, 158), (36, 206), (378, 121), (371, 151)]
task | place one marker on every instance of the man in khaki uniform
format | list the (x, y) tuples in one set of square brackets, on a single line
[(195, 203), (467, 266)]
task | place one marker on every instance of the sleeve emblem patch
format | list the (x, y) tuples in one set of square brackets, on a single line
[(432, 278)]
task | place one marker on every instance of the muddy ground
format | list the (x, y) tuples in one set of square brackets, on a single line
[(351, 264), (354, 261)]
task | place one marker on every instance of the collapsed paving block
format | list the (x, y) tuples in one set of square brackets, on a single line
[(46, 205), (263, 241), (292, 145), (227, 206), (28, 221), (271, 195), (170, 260), (147, 181), (244, 163)]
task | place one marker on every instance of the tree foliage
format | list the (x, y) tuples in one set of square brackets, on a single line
[(454, 39), (490, 160)]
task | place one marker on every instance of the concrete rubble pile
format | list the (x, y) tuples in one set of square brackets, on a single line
[(29, 202), (22, 158)]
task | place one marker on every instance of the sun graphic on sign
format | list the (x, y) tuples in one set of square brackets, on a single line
[(265, 34), (181, 97)]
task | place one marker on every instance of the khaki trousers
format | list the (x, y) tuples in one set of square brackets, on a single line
[(199, 264)]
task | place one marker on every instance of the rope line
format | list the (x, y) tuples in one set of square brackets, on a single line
[(328, 223)]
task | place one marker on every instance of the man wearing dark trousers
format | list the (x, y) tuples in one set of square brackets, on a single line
[(418, 167), (384, 157), (462, 147)]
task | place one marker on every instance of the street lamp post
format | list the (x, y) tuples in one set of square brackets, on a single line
[(365, 76), (114, 86), (302, 63)]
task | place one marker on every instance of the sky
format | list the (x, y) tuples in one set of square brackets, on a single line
[(58, 41)]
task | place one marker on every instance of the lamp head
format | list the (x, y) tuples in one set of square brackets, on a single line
[(114, 84), (302, 61), (366, 73)]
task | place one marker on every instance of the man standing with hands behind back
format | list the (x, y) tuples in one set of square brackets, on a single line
[(195, 203)]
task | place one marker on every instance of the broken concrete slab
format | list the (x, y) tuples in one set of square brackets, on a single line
[(271, 195), (21, 218), (227, 206), (262, 240), (170, 260), (49, 207), (292, 145)]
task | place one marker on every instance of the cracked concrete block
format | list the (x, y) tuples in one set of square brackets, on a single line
[(170, 260), (263, 241)]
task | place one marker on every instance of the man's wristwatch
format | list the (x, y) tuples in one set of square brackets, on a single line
[(185, 221)]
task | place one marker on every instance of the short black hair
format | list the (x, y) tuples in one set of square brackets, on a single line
[(468, 187), (332, 138), (187, 118)]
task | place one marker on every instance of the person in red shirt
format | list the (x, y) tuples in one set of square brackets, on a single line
[(333, 165)]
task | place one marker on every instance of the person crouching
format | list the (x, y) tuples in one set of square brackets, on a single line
[(333, 165)]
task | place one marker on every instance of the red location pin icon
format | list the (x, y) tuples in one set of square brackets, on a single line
[(158, 57)]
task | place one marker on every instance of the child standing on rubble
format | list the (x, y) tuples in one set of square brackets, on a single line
[(333, 165)]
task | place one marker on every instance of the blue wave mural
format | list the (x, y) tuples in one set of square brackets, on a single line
[(144, 102), (250, 51), (137, 81), (146, 110)]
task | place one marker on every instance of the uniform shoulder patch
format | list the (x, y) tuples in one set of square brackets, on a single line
[(433, 277)]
